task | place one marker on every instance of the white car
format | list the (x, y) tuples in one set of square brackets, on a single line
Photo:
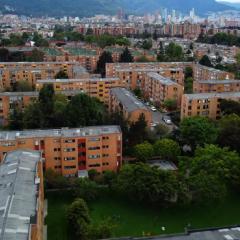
[(167, 120), (153, 109), (153, 124)]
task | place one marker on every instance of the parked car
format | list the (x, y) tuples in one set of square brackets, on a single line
[(153, 124), (167, 119), (153, 109)]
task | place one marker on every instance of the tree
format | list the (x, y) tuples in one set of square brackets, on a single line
[(217, 167), (138, 131), (109, 178), (126, 56), (188, 72), (205, 61), (83, 110), (229, 107), (174, 52), (61, 75), (170, 104), (79, 219), (86, 189), (106, 57), (36, 56), (168, 149), (32, 118), (54, 180), (147, 44), (137, 91), (92, 173), (143, 151), (16, 119), (188, 85), (46, 104), (102, 231), (197, 130), (4, 55), (229, 132), (143, 183), (23, 86), (161, 130)]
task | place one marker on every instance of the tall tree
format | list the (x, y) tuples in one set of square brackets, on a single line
[(61, 75), (205, 61), (79, 219), (143, 151), (229, 132), (197, 130), (168, 149), (106, 57), (138, 131), (126, 56)]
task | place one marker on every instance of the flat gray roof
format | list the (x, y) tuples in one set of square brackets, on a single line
[(163, 80), (77, 80), (128, 99), (35, 94), (215, 81), (219, 234), (18, 194), (163, 164), (147, 69), (64, 132), (231, 233), (209, 68), (212, 95)]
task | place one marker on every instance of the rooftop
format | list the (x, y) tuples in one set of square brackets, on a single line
[(163, 165), (213, 95), (64, 132), (18, 194), (75, 80), (52, 52), (81, 51), (163, 80), (128, 99), (218, 234), (215, 81)]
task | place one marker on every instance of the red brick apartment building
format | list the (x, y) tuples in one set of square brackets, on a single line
[(124, 101), (69, 151), (21, 195), (159, 89), (12, 72), (205, 104), (201, 72), (226, 85)]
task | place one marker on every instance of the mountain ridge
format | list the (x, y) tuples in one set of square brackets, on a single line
[(82, 8)]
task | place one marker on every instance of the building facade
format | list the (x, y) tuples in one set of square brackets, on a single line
[(68, 151), (205, 104), (122, 100), (22, 195)]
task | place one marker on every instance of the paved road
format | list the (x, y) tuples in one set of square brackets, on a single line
[(158, 118)]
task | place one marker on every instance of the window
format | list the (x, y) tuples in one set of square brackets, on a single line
[(94, 156), (105, 164), (69, 158), (69, 141), (56, 149), (94, 165), (94, 148), (69, 167), (94, 139), (105, 146), (105, 155), (69, 149), (57, 158), (105, 138)]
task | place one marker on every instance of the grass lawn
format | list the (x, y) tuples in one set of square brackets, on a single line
[(133, 219)]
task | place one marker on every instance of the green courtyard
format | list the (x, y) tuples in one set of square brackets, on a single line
[(133, 219)]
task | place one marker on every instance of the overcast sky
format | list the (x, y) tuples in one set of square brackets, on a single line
[(234, 1)]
